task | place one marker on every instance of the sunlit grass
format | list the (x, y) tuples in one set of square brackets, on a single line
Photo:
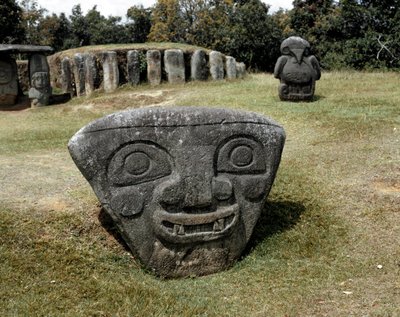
[(331, 220)]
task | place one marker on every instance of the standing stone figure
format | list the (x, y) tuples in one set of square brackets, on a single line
[(198, 65), (66, 76), (153, 58), (133, 67), (184, 186), (8, 81), (79, 74), (40, 90), (174, 66), (297, 70), (39, 72), (110, 71), (216, 65)]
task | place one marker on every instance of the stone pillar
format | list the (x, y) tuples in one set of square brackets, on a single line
[(8, 81), (110, 71), (66, 76), (240, 70), (133, 67), (90, 73), (175, 66), (153, 67), (79, 74), (230, 64), (39, 74), (216, 65), (198, 66)]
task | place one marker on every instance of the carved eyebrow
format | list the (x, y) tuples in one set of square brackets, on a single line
[(223, 122)]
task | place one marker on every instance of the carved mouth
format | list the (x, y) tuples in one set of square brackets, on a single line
[(186, 227)]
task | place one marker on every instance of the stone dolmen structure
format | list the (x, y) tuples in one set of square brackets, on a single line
[(113, 68), (184, 186), (297, 70), (39, 74)]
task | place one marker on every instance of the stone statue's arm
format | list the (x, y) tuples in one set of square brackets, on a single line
[(279, 66), (315, 66)]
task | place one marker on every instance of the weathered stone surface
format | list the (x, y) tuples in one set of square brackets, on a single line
[(21, 48), (240, 70), (110, 71), (198, 65), (39, 72), (91, 73), (8, 81), (153, 67), (216, 65), (79, 74), (66, 76), (297, 70), (174, 66), (230, 64), (133, 67), (184, 186)]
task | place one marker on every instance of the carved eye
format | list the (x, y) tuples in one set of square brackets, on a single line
[(286, 50), (241, 155), (138, 163), (306, 52)]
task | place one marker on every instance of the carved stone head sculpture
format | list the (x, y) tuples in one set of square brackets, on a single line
[(40, 90), (8, 81), (297, 70), (184, 186)]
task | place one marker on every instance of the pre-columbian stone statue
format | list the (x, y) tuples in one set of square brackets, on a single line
[(184, 186), (297, 70)]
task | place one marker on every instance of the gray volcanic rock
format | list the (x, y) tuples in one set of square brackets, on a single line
[(78, 68), (66, 76), (110, 71), (153, 58), (198, 65), (216, 65), (184, 186), (230, 64), (39, 73), (8, 81), (297, 70), (174, 66), (133, 67), (91, 73)]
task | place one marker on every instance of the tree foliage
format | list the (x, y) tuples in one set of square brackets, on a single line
[(11, 29), (360, 34)]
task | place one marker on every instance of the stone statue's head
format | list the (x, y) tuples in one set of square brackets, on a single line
[(297, 47), (185, 186), (40, 80)]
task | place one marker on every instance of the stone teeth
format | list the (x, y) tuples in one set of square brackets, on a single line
[(219, 225), (176, 229), (181, 230)]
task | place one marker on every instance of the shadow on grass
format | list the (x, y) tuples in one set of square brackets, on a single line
[(108, 224), (277, 216)]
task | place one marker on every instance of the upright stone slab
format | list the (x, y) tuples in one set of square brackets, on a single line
[(133, 67), (240, 70), (174, 66), (216, 65), (297, 70), (91, 73), (184, 186), (230, 64), (8, 81), (79, 74), (66, 76), (153, 58), (110, 71), (198, 65), (39, 73)]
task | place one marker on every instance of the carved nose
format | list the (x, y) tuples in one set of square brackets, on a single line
[(192, 191), (298, 54)]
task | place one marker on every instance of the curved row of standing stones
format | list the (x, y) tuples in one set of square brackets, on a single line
[(84, 72)]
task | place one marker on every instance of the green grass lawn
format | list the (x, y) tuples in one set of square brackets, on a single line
[(327, 244)]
